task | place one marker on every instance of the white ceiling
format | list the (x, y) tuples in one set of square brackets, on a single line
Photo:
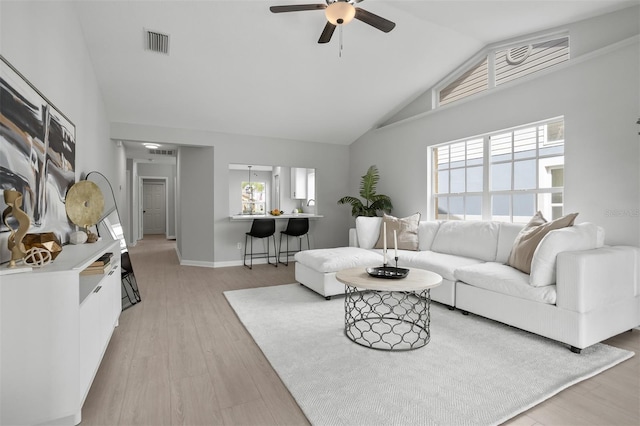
[(235, 67)]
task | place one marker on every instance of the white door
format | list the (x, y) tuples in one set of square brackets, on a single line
[(154, 208)]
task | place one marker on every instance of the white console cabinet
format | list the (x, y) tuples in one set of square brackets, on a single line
[(55, 326)]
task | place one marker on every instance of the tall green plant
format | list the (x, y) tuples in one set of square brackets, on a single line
[(373, 203)]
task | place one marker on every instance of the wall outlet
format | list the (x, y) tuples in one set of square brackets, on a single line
[(239, 246)]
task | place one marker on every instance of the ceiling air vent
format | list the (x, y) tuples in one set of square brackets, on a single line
[(157, 42), (169, 152), (518, 55)]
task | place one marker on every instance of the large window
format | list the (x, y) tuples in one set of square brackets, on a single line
[(506, 175)]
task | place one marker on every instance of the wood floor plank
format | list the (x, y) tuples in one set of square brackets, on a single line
[(250, 413), (185, 353), (147, 399), (194, 402), (232, 381), (181, 356), (104, 401), (275, 395), (152, 335)]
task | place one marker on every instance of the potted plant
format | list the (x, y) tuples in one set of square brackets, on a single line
[(372, 202)]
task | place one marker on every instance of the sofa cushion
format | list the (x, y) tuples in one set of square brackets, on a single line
[(335, 259), (406, 229), (474, 239), (506, 236), (440, 263), (368, 231), (528, 239), (577, 237), (427, 230), (502, 278)]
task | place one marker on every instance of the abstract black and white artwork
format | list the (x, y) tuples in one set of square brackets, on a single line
[(37, 153)]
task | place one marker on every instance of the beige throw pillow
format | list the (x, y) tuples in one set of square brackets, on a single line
[(530, 236), (407, 232)]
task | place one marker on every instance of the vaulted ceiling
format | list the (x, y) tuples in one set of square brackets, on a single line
[(235, 67)]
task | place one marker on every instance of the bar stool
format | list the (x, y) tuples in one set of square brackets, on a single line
[(261, 228), (296, 227)]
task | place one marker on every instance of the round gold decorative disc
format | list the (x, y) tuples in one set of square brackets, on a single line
[(84, 203)]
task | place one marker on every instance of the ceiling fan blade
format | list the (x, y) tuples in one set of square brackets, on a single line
[(374, 20), (325, 37), (297, 8)]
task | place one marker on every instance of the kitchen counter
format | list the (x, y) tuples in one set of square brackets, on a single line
[(268, 216)]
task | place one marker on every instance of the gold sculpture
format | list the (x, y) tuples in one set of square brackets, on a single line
[(84, 206), (13, 199), (44, 240)]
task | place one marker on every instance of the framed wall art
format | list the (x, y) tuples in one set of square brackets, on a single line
[(37, 154)]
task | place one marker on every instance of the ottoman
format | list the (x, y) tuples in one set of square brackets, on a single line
[(317, 269)]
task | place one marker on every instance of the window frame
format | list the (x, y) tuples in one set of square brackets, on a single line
[(487, 193)]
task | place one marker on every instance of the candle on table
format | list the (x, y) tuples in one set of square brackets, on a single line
[(395, 243), (384, 242)]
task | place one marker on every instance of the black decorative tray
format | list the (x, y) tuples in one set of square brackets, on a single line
[(389, 272)]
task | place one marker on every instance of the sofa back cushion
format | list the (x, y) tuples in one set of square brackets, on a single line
[(427, 230), (506, 236), (368, 231), (585, 236), (475, 239)]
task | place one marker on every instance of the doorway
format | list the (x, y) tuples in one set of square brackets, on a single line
[(154, 206)]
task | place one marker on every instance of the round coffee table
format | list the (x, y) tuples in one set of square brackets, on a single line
[(388, 314)]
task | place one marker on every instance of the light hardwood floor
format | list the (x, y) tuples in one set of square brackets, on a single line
[(182, 357)]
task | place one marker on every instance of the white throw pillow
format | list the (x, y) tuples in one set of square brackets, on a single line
[(577, 237), (368, 231)]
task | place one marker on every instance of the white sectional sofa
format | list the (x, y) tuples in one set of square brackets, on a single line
[(579, 291)]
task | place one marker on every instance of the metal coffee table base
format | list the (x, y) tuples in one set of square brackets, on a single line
[(387, 320)]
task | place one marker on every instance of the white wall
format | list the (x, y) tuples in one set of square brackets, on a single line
[(44, 42), (195, 178), (330, 161), (598, 94)]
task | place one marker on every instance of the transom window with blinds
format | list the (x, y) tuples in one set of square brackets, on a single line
[(506, 175), (502, 65)]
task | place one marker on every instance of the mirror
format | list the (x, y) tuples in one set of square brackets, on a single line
[(258, 189), (109, 226)]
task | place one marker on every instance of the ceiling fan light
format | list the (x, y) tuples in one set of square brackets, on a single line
[(340, 12)]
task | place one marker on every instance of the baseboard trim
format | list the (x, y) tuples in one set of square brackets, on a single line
[(223, 264), (229, 263), (200, 263)]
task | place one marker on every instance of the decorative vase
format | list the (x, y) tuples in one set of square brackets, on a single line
[(13, 199)]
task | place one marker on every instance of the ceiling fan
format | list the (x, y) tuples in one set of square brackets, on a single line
[(339, 12)]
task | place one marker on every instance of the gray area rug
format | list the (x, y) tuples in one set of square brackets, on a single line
[(474, 371)]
